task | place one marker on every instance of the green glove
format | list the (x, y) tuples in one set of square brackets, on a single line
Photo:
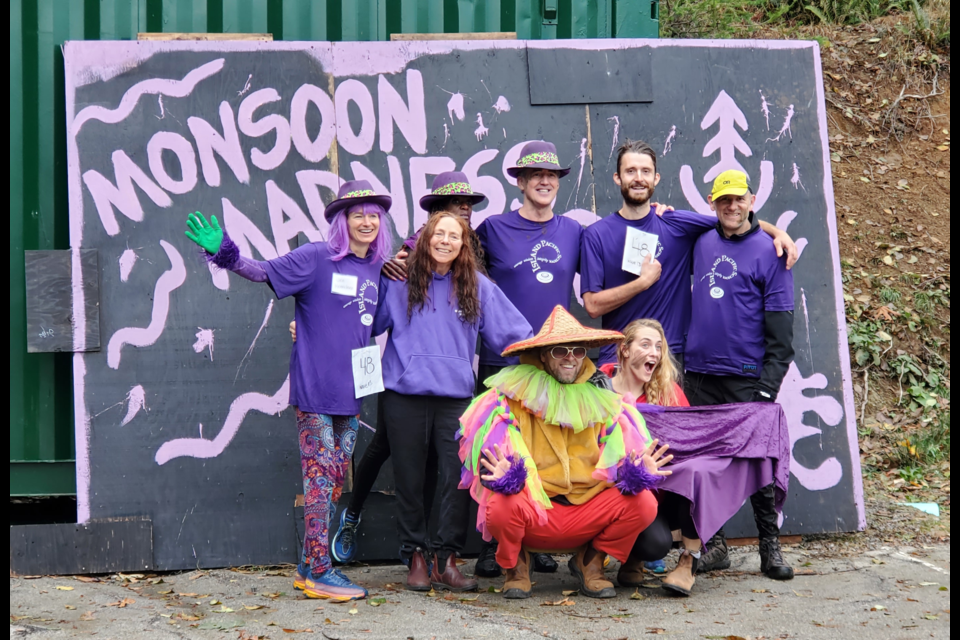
[(207, 235)]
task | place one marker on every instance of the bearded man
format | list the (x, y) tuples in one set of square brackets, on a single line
[(557, 461)]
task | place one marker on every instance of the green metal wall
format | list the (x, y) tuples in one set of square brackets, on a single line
[(41, 402)]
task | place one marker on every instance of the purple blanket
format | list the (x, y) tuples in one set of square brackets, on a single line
[(722, 455)]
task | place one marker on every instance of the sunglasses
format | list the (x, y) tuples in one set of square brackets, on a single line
[(559, 353)]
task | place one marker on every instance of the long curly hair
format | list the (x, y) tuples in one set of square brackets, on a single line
[(662, 388), (422, 265)]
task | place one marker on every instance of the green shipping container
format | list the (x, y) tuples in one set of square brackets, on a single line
[(41, 398)]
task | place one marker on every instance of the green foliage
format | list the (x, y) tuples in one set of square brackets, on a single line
[(924, 301), (889, 295), (932, 31), (865, 341), (707, 18), (851, 11), (928, 446)]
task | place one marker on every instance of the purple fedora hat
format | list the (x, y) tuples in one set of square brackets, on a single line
[(450, 183), (355, 192), (538, 155)]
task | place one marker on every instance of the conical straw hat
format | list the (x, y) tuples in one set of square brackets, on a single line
[(563, 328)]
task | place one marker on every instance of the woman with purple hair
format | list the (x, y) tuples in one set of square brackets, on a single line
[(336, 288)]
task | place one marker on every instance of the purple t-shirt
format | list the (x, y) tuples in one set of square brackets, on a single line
[(331, 323), (533, 263), (668, 300), (734, 282)]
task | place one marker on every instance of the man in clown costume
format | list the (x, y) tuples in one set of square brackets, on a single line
[(556, 461)]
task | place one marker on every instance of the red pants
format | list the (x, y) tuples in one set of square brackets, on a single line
[(610, 521)]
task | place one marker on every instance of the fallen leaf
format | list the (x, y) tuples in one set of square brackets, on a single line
[(759, 590), (656, 630), (187, 616), (223, 609), (929, 584), (877, 607), (273, 596), (493, 589), (62, 588), (835, 156), (566, 602), (943, 147), (122, 603), (468, 598), (297, 630), (650, 585), (431, 593), (942, 589), (188, 595), (87, 579), (353, 611), (69, 606), (214, 601), (166, 593), (86, 617), (864, 178), (928, 617), (252, 607)]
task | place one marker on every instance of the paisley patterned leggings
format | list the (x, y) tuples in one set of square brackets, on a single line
[(326, 446)]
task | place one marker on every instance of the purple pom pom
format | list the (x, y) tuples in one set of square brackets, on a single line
[(634, 478), (228, 256), (513, 480)]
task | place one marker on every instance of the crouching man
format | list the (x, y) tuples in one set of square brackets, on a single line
[(556, 461)]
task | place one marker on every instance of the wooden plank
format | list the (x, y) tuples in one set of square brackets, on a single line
[(493, 35), (98, 546), (205, 36), (49, 285)]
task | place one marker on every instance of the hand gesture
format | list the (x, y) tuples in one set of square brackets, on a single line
[(208, 235), (783, 242), (293, 330), (653, 460), (650, 271), (496, 463), (396, 267), (660, 209)]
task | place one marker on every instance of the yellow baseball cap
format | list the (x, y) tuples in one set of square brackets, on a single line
[(730, 182)]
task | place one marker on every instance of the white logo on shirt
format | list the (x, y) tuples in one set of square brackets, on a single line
[(363, 299), (715, 291), (543, 276)]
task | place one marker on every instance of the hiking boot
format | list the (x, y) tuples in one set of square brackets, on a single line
[(716, 558), (487, 566), (680, 580), (333, 585), (418, 578), (517, 585), (544, 563), (592, 582), (772, 562), (631, 573), (451, 578), (300, 580), (343, 547)]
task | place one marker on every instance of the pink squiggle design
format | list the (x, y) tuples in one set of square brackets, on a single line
[(162, 86), (205, 448), (144, 337)]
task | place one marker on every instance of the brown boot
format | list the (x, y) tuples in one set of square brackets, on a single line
[(590, 575), (518, 585), (418, 579), (680, 580), (451, 578), (631, 573)]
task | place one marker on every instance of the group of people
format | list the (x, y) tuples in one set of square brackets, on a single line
[(561, 454)]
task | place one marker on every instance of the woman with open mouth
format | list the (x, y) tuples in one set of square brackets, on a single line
[(722, 454)]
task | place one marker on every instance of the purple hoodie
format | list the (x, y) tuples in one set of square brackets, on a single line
[(432, 353)]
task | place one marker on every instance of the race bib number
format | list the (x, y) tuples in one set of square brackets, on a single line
[(367, 375)]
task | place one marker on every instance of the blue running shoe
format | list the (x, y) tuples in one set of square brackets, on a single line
[(656, 566), (300, 581), (333, 585), (343, 547)]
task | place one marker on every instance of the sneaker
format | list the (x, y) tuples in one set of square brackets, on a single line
[(716, 557), (300, 580), (333, 585), (343, 547), (771, 560), (656, 566)]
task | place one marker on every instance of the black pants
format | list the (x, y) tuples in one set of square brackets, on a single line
[(484, 371), (416, 425), (703, 389), (654, 542), (374, 457)]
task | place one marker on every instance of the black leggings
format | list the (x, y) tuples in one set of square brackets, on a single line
[(655, 541), (376, 454)]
